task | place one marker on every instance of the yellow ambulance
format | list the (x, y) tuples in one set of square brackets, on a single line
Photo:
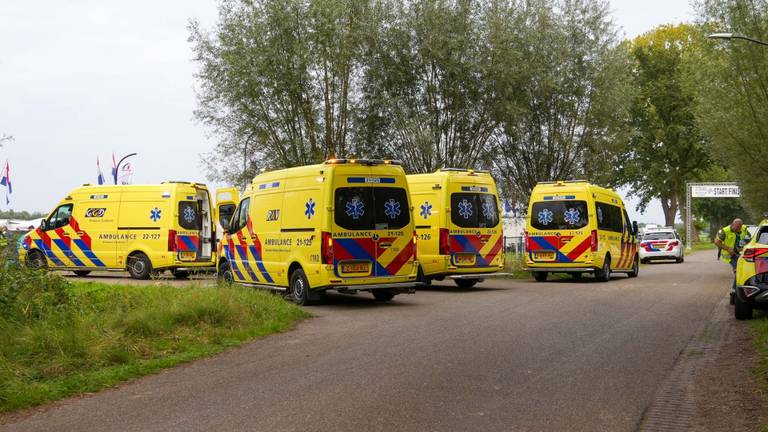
[(140, 228), (458, 225), (342, 225), (576, 227)]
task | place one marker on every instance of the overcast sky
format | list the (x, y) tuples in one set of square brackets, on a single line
[(81, 79)]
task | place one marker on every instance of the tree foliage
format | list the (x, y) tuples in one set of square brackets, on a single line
[(732, 99), (666, 149), (560, 90), (277, 81), (534, 89), (426, 96)]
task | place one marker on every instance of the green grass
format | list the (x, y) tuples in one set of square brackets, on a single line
[(701, 246), (59, 338), (514, 264)]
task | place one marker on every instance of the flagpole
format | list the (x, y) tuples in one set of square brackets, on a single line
[(117, 169)]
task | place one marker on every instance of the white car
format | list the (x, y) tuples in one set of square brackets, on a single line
[(660, 244)]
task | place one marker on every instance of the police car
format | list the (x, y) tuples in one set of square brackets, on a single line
[(661, 244)]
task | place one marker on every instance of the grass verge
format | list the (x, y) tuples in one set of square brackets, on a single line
[(59, 338)]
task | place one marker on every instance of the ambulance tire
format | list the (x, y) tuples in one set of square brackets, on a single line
[(82, 273), (383, 295), (604, 274), (139, 266), (36, 260), (466, 283), (540, 276), (224, 274), (180, 274), (742, 310), (635, 268), (298, 291)]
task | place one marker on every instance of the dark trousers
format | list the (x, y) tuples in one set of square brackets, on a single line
[(734, 262)]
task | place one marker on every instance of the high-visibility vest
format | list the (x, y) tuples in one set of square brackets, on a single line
[(730, 240)]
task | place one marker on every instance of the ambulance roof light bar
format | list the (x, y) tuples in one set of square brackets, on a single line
[(470, 170), (335, 161), (562, 182)]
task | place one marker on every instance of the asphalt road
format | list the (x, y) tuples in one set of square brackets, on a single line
[(507, 356)]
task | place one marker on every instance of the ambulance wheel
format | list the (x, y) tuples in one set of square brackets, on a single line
[(465, 283), (635, 268), (383, 295), (180, 274), (224, 274), (741, 310), (139, 266), (36, 260), (540, 276), (298, 292), (82, 273), (604, 274)]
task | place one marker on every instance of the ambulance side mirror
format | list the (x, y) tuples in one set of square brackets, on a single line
[(225, 226), (634, 227), (43, 225)]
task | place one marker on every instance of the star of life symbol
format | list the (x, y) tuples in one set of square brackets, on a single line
[(355, 208), (465, 209), (572, 216), (392, 208), (189, 214), (489, 210), (545, 217), (426, 209), (155, 214), (310, 209)]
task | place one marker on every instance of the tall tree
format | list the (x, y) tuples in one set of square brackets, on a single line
[(560, 90), (732, 83), (426, 96), (666, 149), (277, 82)]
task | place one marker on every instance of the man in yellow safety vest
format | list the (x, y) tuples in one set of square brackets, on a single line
[(730, 240)]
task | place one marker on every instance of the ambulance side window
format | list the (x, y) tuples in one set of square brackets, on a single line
[(609, 218), (241, 216), (60, 217), (627, 222)]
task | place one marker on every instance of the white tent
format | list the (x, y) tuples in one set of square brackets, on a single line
[(20, 225)]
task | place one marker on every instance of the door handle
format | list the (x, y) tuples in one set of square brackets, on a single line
[(64, 234), (81, 233)]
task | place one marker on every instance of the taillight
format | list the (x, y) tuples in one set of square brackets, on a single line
[(593, 237), (445, 242), (171, 240), (326, 249), (750, 254), (671, 245), (415, 245), (527, 239)]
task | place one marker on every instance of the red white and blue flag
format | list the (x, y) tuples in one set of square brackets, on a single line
[(5, 180), (99, 174)]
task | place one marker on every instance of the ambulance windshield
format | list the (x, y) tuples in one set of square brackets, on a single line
[(371, 208), (559, 215)]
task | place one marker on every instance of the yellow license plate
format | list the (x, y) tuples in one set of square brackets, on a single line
[(355, 267), (544, 256), (464, 259), (187, 255)]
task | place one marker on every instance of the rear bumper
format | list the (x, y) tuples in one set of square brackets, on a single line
[(665, 254), (560, 269), (753, 294), (477, 275)]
